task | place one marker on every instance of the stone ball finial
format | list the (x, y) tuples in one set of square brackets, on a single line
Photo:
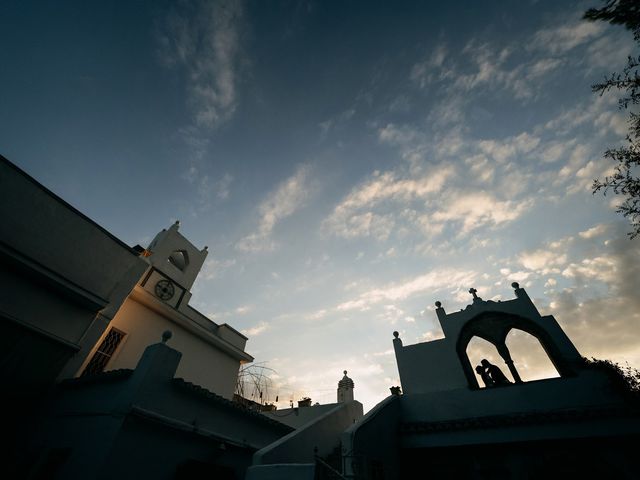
[(206, 248), (177, 223), (515, 285), (346, 382), (166, 335), (438, 304), (396, 334)]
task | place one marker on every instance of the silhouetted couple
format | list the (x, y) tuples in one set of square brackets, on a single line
[(491, 374)]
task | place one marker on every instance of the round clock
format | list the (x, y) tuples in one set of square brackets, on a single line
[(165, 289)]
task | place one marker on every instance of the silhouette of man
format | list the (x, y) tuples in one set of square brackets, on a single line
[(484, 375), (495, 373)]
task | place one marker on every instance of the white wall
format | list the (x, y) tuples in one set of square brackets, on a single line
[(62, 274), (298, 416), (202, 363)]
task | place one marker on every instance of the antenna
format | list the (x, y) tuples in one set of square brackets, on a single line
[(253, 385)]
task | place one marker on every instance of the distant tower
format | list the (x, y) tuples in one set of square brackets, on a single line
[(345, 389)]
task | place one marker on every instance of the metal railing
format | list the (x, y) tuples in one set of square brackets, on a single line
[(324, 471)]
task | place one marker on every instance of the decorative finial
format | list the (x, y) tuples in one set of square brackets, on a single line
[(396, 334), (515, 285), (473, 292), (166, 335), (206, 248), (438, 304), (177, 223), (345, 372)]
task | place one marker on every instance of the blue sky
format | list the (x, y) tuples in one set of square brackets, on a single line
[(346, 163)]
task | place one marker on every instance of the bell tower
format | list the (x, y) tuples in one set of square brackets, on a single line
[(174, 266)]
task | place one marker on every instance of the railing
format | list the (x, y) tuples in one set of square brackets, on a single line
[(324, 471)]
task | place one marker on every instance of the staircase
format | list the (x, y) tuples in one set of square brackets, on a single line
[(330, 467)]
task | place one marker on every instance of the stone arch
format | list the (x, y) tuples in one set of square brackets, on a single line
[(179, 259), (526, 350), (494, 327), (477, 349)]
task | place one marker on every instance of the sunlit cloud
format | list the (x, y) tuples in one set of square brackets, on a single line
[(287, 198), (256, 329), (214, 267), (594, 231), (353, 216), (475, 209), (434, 280)]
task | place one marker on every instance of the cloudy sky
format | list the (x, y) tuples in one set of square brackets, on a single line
[(347, 164)]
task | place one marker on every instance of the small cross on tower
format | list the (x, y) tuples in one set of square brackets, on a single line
[(473, 292)]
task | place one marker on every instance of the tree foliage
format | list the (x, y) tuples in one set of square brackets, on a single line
[(625, 179), (624, 379)]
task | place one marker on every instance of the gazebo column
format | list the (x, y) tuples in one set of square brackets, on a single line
[(506, 356)]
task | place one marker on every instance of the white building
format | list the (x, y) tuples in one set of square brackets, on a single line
[(212, 354), (63, 278), (580, 425), (91, 392)]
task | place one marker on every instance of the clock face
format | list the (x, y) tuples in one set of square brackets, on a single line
[(165, 290)]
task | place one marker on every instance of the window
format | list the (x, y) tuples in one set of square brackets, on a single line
[(179, 259), (104, 353)]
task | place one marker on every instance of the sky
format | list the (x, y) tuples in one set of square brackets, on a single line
[(346, 163)]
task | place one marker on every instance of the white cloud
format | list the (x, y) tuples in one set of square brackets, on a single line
[(243, 309), (609, 50), (256, 329), (503, 150), (603, 321), (476, 209), (203, 38), (353, 217), (544, 66), (286, 199), (435, 280), (338, 119), (602, 268), (424, 73), (223, 186), (562, 38), (214, 267), (553, 152), (542, 260), (594, 231), (366, 224)]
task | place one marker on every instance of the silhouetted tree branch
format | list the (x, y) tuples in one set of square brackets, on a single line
[(625, 180), (624, 379)]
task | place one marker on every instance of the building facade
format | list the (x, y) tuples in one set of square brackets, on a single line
[(212, 353), (447, 424)]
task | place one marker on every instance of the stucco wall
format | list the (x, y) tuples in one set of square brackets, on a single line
[(46, 229), (144, 424), (29, 301), (588, 389), (429, 366), (298, 416), (322, 433), (201, 363), (370, 447), (62, 274)]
